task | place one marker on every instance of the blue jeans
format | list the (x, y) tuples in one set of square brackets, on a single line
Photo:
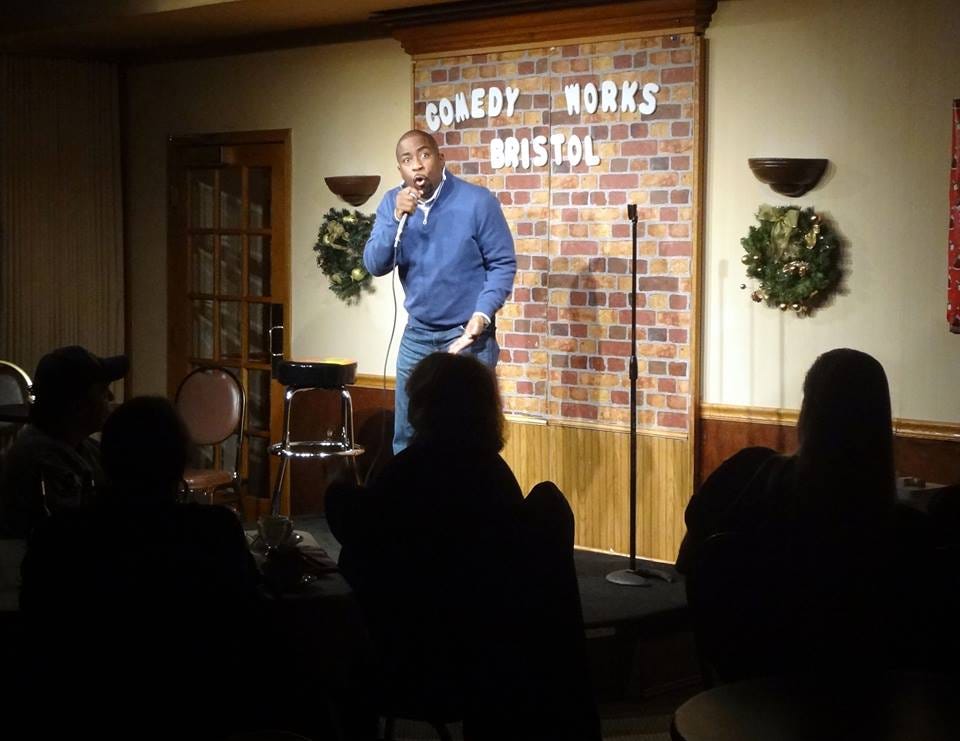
[(415, 345)]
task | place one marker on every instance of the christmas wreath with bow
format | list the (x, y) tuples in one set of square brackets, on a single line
[(794, 255), (339, 249)]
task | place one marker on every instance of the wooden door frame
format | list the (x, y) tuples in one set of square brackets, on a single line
[(178, 323), (178, 331)]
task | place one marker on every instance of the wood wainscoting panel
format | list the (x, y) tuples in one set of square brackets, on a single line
[(926, 450), (315, 412), (589, 464), (721, 438), (591, 467)]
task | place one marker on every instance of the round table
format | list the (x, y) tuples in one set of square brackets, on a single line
[(884, 707)]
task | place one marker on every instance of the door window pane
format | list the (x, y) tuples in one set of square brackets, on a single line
[(201, 456), (258, 266), (231, 198), (225, 202), (258, 186), (201, 188), (258, 467), (258, 341), (258, 399), (231, 265), (201, 321), (230, 329), (201, 264), (228, 453)]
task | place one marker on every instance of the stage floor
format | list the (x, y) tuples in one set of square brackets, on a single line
[(662, 606)]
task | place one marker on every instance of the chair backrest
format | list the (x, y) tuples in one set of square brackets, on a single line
[(774, 601), (559, 700), (723, 575), (212, 403), (15, 384), (944, 511), (15, 388)]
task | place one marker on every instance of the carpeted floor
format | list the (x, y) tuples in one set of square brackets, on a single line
[(646, 720), (614, 729), (661, 605)]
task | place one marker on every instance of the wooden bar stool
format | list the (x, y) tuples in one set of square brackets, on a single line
[(327, 375)]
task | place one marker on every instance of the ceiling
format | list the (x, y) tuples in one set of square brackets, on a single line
[(144, 30)]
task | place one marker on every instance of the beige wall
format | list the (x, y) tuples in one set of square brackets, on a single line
[(345, 104), (864, 83), (867, 84)]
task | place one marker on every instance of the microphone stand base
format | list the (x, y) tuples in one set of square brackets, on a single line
[(628, 578)]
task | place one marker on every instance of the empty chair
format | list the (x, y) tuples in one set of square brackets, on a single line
[(15, 384), (15, 397), (212, 403)]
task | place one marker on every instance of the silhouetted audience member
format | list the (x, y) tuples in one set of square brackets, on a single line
[(816, 563), (53, 463), (137, 606), (472, 608)]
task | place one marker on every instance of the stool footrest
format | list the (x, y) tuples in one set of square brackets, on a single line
[(315, 449)]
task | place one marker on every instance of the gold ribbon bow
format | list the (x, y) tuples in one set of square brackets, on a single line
[(784, 220)]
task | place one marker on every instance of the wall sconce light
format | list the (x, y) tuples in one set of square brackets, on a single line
[(354, 189), (787, 176)]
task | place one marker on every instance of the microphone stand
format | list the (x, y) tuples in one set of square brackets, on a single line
[(634, 577)]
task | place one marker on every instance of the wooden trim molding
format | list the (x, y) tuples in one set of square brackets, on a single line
[(523, 419), (481, 25), (733, 413), (927, 430), (591, 39), (375, 381), (922, 429)]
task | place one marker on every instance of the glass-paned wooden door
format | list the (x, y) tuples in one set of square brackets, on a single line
[(229, 264)]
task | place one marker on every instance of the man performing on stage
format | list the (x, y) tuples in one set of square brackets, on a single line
[(456, 260)]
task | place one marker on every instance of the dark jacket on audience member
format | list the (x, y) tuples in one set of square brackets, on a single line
[(813, 581), (144, 602), (441, 551), (69, 476)]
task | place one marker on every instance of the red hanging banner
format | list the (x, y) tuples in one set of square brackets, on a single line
[(953, 249)]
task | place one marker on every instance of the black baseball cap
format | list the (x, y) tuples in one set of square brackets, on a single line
[(68, 372)]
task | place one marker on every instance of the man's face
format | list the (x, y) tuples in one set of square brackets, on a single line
[(420, 164), (94, 408)]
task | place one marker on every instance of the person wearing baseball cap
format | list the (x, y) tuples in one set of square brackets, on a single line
[(53, 463)]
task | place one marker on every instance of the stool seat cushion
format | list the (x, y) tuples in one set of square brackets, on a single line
[(203, 479), (327, 373)]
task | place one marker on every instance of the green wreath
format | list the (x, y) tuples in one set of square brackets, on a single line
[(795, 255), (339, 249)]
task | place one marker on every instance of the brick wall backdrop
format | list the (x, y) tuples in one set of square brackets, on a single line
[(565, 331)]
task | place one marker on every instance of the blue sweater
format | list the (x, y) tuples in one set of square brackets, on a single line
[(456, 260)]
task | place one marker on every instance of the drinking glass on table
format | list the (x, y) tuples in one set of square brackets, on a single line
[(275, 531)]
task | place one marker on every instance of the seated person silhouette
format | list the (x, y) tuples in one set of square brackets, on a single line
[(53, 463), (140, 598), (441, 551), (795, 561)]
